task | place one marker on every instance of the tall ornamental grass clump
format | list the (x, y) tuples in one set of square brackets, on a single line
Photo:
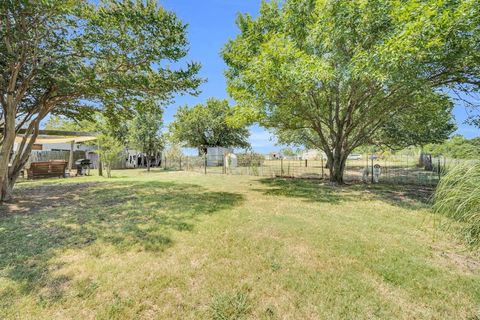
[(458, 197)]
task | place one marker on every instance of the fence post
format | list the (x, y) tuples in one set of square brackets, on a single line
[(444, 170), (165, 163), (321, 158), (306, 163), (205, 162), (385, 171), (180, 160), (372, 169), (224, 163), (438, 169), (281, 167)]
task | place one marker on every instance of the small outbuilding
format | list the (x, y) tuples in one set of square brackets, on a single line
[(216, 156)]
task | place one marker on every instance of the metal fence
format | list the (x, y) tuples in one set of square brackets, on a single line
[(398, 169), (393, 169)]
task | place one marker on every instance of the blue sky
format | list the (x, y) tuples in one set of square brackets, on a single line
[(211, 24)]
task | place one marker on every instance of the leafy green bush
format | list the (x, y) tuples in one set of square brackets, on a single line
[(109, 150), (458, 197), (254, 169), (250, 159)]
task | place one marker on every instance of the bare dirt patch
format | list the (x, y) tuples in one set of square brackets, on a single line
[(35, 199), (467, 262)]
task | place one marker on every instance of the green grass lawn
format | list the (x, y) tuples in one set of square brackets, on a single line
[(176, 245)]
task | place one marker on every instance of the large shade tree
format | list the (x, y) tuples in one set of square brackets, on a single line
[(71, 56), (335, 72), (205, 125)]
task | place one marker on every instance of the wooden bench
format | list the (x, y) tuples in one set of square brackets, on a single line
[(47, 169)]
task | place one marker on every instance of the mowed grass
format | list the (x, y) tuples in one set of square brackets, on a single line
[(176, 245)]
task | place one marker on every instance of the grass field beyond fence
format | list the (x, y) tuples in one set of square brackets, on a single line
[(181, 245)]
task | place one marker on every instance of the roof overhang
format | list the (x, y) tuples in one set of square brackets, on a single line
[(57, 139), (58, 136)]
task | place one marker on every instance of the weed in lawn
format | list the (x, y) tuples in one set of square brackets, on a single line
[(230, 306), (115, 310), (85, 288)]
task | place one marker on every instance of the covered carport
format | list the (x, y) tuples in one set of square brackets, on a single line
[(66, 140)]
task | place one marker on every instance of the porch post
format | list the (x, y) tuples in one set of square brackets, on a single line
[(70, 159)]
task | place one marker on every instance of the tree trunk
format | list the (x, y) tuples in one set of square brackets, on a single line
[(6, 192), (108, 168), (328, 164), (337, 168), (148, 164), (5, 152), (11, 172), (100, 167), (9, 183)]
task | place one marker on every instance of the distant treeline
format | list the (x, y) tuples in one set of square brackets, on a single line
[(457, 147)]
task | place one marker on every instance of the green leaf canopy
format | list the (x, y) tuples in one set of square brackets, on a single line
[(206, 125), (335, 72)]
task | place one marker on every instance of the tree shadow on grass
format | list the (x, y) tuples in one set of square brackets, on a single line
[(128, 215), (308, 189), (405, 196), (313, 190), (33, 199)]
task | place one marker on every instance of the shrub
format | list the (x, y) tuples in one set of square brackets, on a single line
[(458, 197), (109, 150), (250, 159)]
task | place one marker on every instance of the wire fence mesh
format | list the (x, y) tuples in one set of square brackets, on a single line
[(405, 169), (397, 169)]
